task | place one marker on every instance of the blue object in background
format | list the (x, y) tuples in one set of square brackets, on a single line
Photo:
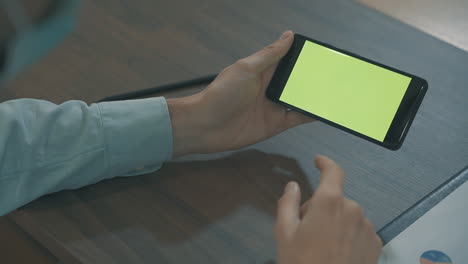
[(435, 257)]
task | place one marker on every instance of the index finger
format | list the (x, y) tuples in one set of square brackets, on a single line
[(331, 176)]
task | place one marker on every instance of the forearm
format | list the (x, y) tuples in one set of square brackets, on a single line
[(46, 147)]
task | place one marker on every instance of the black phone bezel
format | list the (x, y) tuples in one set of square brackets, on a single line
[(403, 118)]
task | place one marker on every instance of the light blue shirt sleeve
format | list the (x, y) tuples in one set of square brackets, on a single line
[(46, 147)]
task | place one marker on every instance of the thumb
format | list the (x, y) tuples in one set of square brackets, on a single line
[(288, 211), (271, 54)]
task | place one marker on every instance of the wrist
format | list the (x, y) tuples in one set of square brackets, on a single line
[(189, 127)]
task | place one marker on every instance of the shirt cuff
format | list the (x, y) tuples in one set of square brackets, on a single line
[(138, 135)]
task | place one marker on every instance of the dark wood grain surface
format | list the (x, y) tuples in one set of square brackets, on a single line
[(199, 211), (220, 208), (17, 246)]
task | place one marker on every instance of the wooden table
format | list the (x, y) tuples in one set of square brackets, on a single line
[(221, 208)]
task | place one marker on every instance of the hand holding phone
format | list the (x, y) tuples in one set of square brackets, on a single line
[(233, 112), (355, 94)]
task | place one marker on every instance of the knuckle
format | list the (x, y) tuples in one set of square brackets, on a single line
[(331, 198), (355, 209), (243, 65), (269, 48), (338, 170), (333, 195)]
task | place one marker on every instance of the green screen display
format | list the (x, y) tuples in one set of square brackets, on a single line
[(345, 90)]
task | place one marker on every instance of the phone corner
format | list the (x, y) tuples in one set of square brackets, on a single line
[(394, 147), (423, 84)]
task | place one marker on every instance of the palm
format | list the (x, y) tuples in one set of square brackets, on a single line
[(245, 115)]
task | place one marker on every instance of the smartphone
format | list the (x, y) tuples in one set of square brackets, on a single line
[(360, 96)]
